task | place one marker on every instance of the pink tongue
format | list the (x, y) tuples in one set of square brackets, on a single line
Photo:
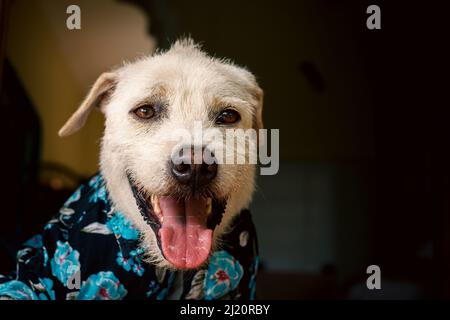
[(185, 240)]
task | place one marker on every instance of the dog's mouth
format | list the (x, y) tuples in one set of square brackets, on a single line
[(183, 225)]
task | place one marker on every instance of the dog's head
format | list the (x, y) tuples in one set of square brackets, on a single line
[(181, 201)]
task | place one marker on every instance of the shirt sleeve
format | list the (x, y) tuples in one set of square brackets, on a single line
[(32, 279), (36, 276)]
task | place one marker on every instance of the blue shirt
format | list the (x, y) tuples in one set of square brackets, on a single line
[(90, 251)]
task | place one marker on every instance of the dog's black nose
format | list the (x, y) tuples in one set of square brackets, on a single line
[(193, 169)]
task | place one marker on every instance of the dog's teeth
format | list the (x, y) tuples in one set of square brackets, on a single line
[(155, 204), (208, 206), (156, 208)]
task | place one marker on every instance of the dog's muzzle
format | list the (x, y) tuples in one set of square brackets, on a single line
[(183, 222)]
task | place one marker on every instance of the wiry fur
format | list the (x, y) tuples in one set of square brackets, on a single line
[(191, 85)]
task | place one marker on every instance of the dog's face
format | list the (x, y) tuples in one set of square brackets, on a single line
[(181, 208)]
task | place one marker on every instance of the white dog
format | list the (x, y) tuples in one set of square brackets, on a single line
[(188, 215)]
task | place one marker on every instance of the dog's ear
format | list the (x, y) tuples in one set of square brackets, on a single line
[(258, 121), (99, 92)]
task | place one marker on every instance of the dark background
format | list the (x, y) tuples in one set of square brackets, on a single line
[(364, 175)]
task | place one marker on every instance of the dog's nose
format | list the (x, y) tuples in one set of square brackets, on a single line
[(192, 172)]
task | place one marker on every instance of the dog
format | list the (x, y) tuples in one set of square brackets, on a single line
[(148, 226)]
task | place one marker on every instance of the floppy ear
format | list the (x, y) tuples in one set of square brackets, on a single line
[(258, 121), (99, 91)]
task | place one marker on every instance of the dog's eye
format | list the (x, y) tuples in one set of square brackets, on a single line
[(228, 116), (145, 111)]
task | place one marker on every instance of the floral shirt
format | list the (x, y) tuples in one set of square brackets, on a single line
[(90, 251)]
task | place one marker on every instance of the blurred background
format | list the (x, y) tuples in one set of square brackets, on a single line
[(363, 176)]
